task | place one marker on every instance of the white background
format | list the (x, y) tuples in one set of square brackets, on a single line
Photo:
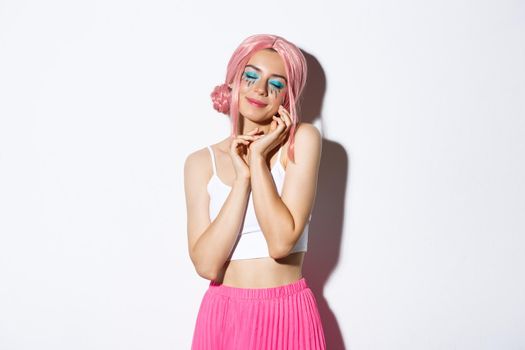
[(417, 236)]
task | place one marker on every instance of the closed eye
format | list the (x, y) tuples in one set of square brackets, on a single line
[(251, 75), (277, 84)]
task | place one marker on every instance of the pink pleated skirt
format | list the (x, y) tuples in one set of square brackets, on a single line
[(277, 318)]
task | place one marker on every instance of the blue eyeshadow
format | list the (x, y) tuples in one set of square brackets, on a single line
[(277, 84), (251, 75)]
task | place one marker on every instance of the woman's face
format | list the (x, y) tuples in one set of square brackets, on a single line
[(263, 86)]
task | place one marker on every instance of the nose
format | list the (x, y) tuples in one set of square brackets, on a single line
[(260, 87)]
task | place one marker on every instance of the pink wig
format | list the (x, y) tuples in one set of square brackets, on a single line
[(227, 102)]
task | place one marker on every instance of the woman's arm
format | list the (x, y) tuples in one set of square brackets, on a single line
[(282, 219), (210, 243)]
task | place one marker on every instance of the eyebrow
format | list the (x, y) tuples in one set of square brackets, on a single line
[(259, 70)]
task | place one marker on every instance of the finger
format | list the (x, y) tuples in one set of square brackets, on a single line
[(286, 120), (241, 148), (252, 132), (280, 123), (241, 142), (238, 142), (286, 116), (248, 137), (283, 110), (238, 139), (280, 126)]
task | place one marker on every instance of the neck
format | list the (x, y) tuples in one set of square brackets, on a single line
[(246, 125)]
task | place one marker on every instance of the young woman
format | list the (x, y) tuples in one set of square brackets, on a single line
[(249, 199)]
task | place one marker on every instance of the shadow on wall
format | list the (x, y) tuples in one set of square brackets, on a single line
[(326, 227)]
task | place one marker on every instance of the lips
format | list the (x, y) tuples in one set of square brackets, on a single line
[(256, 103)]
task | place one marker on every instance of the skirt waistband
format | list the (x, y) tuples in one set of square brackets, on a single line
[(258, 293)]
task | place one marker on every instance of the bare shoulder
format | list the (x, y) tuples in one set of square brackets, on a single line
[(307, 143), (307, 133), (197, 165), (197, 157)]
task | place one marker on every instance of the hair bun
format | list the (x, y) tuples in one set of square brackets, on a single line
[(221, 97)]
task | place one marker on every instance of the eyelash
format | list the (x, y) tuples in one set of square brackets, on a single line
[(252, 77), (278, 85), (249, 76)]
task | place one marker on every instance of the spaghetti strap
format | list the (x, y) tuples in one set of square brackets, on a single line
[(213, 160)]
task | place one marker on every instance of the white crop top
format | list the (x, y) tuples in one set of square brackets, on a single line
[(251, 243)]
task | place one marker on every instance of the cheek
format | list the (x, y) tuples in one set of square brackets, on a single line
[(284, 98), (243, 87), (280, 96)]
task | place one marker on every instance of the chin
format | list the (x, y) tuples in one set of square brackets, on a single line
[(252, 113), (258, 119)]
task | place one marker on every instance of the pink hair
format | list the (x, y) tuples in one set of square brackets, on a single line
[(227, 102)]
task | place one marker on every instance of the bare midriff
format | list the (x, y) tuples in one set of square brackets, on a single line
[(262, 272)]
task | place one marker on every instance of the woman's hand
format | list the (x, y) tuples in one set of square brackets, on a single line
[(240, 151), (277, 134)]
